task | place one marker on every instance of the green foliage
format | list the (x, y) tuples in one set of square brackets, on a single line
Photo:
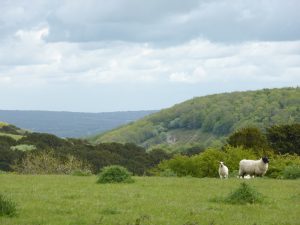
[(8, 128), (206, 164), (245, 194), (8, 157), (278, 163), (7, 207), (291, 172), (212, 117), (114, 174), (285, 138), (202, 165), (43, 140), (7, 140)]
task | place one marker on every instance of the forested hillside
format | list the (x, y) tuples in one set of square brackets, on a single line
[(206, 121), (69, 124), (22, 151)]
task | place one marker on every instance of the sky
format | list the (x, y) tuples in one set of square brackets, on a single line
[(125, 55)]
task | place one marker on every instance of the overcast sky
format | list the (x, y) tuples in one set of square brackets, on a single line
[(120, 55)]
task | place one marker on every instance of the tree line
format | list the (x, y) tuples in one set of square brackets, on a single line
[(280, 142)]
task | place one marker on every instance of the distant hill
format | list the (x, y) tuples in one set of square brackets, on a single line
[(208, 120), (69, 124)]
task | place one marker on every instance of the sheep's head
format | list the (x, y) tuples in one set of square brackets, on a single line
[(265, 159), (221, 164)]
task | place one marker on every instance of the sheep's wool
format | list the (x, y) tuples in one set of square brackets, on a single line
[(223, 171), (253, 167)]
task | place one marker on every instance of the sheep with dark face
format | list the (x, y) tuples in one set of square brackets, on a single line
[(223, 170), (253, 167)]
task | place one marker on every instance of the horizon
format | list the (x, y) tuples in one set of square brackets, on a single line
[(128, 55), (156, 110)]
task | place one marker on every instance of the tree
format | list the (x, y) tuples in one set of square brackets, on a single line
[(250, 137), (284, 138)]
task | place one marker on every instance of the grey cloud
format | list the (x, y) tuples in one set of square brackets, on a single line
[(171, 22), (159, 22)]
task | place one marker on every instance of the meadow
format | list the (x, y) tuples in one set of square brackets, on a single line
[(74, 200)]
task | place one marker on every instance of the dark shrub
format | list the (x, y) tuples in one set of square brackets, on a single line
[(249, 137), (243, 195), (114, 174)]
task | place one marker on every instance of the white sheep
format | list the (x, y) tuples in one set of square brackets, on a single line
[(223, 170), (253, 167)]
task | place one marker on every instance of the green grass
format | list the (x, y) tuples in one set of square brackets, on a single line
[(72, 200), (7, 207), (23, 147), (14, 136)]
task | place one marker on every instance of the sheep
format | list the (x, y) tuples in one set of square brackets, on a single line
[(223, 170), (253, 167)]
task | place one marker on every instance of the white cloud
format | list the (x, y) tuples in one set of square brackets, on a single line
[(198, 75), (89, 44), (197, 61)]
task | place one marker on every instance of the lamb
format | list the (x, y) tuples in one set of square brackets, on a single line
[(223, 170), (253, 167)]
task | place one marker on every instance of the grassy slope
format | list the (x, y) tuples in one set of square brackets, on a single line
[(14, 136), (175, 201), (213, 118)]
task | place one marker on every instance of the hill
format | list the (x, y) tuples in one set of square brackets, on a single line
[(11, 131), (206, 121), (32, 152), (69, 124)]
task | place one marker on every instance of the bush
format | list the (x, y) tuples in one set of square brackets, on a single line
[(206, 163), (243, 195), (48, 163), (278, 164), (291, 172), (7, 207), (115, 174)]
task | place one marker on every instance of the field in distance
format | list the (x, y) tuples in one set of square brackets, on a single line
[(66, 200)]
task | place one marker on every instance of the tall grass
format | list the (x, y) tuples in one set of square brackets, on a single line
[(7, 206)]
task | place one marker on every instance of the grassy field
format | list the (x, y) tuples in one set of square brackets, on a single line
[(71, 200)]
